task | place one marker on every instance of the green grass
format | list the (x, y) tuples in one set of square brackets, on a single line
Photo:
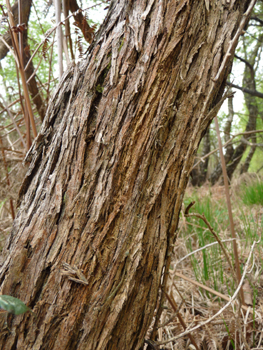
[(2, 203), (198, 236), (252, 193), (209, 265)]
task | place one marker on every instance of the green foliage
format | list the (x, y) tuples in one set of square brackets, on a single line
[(256, 165), (8, 75), (229, 334), (13, 305)]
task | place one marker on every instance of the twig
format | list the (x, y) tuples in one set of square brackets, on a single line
[(7, 179), (49, 32), (230, 214), (10, 105), (210, 290), (57, 4), (10, 50), (188, 208), (202, 217), (181, 320), (21, 70), (13, 120), (233, 42), (172, 317), (202, 248), (38, 65), (248, 91), (250, 143), (226, 144)]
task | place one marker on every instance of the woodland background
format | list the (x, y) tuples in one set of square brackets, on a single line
[(200, 272)]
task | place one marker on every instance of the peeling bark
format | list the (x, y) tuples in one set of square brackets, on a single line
[(199, 174), (99, 207)]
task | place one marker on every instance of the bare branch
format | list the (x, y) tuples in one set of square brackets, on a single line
[(251, 144), (254, 18), (227, 143), (246, 62), (13, 120), (245, 90)]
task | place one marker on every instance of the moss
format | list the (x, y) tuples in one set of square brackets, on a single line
[(121, 44), (99, 88), (108, 67)]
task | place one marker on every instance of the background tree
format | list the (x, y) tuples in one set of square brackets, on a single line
[(240, 152), (99, 206)]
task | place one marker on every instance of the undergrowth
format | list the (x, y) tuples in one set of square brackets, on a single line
[(201, 280), (253, 193)]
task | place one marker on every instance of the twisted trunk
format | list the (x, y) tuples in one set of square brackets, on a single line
[(99, 207)]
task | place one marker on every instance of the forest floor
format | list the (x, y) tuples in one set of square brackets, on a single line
[(202, 280)]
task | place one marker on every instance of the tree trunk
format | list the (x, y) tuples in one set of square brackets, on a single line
[(99, 207), (217, 172), (245, 166), (251, 103), (233, 155)]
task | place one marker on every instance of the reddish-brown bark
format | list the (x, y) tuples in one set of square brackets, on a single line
[(99, 207)]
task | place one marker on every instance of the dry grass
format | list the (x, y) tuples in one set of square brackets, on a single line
[(235, 327)]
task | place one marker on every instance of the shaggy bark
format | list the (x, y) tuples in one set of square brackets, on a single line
[(199, 174), (99, 207)]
